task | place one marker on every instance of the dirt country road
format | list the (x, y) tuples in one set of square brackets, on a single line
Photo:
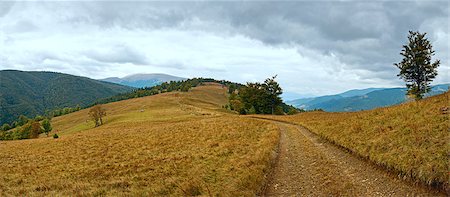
[(310, 166)]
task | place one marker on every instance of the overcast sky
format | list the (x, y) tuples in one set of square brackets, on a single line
[(315, 47)]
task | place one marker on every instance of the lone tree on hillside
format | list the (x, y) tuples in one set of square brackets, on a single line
[(46, 126), (416, 68), (274, 91), (97, 113)]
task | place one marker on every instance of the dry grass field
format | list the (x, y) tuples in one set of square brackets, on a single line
[(203, 101), (411, 139), (168, 144), (185, 144)]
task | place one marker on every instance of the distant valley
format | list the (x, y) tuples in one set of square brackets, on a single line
[(143, 80), (363, 99)]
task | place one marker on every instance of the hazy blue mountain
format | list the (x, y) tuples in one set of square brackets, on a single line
[(359, 92), (379, 98), (362, 100), (31, 93), (439, 89), (306, 103), (287, 96), (143, 80)]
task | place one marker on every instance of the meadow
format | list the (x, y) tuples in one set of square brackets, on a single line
[(409, 139), (186, 144), (168, 144)]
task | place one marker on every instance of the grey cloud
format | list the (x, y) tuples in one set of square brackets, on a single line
[(214, 70), (362, 37), (118, 54), (70, 64), (129, 15), (364, 34), (271, 22), (171, 64), (21, 26), (5, 7), (342, 27)]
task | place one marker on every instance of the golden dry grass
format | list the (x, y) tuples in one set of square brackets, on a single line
[(203, 101), (168, 144), (411, 139)]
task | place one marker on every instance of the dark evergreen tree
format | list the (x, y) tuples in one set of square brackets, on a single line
[(258, 98), (416, 68), (274, 91)]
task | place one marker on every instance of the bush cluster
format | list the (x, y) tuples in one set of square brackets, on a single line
[(259, 98), (25, 128)]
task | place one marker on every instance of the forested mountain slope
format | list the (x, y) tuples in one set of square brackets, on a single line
[(30, 93)]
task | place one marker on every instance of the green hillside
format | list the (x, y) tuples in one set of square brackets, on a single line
[(31, 93)]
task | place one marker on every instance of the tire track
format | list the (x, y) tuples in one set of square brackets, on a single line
[(310, 166)]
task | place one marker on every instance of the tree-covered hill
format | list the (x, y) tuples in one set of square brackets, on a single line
[(31, 93)]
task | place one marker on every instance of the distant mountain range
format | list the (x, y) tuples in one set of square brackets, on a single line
[(31, 93), (288, 96), (143, 80), (363, 99)]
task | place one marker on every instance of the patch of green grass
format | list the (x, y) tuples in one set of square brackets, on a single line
[(78, 128)]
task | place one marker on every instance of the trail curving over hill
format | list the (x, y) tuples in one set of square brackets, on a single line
[(310, 166)]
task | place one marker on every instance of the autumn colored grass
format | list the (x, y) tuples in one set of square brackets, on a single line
[(411, 139), (169, 144)]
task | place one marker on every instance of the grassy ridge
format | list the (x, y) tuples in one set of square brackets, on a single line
[(199, 102), (169, 144), (410, 138)]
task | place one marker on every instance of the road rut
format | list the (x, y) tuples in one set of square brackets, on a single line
[(310, 166)]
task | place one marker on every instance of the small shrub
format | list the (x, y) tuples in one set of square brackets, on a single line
[(292, 111), (55, 136)]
